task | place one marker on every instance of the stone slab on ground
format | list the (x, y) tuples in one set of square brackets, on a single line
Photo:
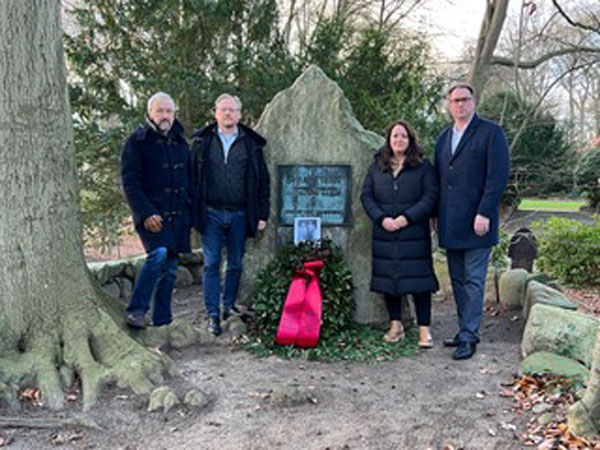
[(557, 330), (513, 286), (546, 362), (541, 293)]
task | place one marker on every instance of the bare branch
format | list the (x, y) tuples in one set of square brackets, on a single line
[(574, 23), (503, 61)]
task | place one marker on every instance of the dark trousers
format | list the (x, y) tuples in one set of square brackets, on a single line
[(156, 277), (422, 306), (222, 228)]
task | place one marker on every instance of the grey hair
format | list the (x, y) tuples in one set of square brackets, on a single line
[(160, 95), (226, 96)]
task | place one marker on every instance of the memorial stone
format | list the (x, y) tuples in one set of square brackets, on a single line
[(318, 154), (522, 249)]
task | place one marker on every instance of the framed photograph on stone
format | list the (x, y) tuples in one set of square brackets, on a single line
[(307, 229)]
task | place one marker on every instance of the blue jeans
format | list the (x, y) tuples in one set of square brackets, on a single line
[(468, 271), (229, 228), (157, 276)]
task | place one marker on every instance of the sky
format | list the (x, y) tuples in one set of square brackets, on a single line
[(454, 24)]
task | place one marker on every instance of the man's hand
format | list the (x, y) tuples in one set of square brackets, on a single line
[(389, 224), (262, 224), (401, 221), (481, 225), (153, 223)]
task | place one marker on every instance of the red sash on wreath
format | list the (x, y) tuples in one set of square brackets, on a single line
[(301, 316)]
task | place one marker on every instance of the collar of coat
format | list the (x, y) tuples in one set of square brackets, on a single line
[(472, 125), (142, 132), (211, 130)]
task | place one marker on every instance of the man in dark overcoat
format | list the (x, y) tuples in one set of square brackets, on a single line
[(156, 177), (232, 201), (472, 165)]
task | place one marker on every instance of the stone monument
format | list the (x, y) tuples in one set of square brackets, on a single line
[(523, 249), (318, 155)]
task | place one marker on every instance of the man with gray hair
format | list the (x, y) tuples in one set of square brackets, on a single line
[(157, 182), (232, 201)]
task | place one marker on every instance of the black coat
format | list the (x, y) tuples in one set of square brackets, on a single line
[(258, 183), (402, 262), (157, 179)]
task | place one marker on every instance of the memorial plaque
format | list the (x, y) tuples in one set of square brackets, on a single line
[(314, 191)]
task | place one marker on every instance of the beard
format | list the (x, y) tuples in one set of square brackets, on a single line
[(164, 125)]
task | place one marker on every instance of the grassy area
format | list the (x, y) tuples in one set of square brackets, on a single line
[(534, 204)]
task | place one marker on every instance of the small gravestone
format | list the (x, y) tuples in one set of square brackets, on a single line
[(317, 155), (522, 249)]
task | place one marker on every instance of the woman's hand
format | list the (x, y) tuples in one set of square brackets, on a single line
[(401, 221), (389, 224)]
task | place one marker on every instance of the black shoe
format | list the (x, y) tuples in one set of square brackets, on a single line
[(136, 320), (214, 325), (232, 312), (451, 342), (465, 350)]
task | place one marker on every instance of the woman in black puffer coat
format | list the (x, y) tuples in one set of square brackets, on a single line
[(400, 194)]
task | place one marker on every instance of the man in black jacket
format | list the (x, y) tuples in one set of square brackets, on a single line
[(232, 201), (156, 179)]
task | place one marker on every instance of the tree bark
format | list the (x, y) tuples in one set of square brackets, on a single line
[(54, 327), (491, 27), (584, 416)]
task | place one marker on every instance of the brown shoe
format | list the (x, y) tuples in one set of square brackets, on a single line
[(425, 339), (395, 333)]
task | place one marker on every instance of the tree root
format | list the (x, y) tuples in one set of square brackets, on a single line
[(95, 349), (29, 422)]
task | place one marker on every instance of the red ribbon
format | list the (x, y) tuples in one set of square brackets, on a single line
[(300, 321)]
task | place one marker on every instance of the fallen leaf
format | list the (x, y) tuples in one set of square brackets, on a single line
[(508, 426), (480, 394), (492, 432), (259, 394), (57, 439), (33, 396)]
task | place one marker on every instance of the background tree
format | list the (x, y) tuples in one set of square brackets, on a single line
[(486, 55), (54, 327), (384, 77), (540, 153), (587, 177)]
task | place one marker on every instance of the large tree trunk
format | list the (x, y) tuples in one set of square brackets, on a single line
[(54, 327), (584, 416), (491, 27)]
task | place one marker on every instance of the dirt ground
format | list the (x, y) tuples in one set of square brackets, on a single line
[(421, 402)]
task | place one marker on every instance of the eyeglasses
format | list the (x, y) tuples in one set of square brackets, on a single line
[(228, 109), (456, 101)]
